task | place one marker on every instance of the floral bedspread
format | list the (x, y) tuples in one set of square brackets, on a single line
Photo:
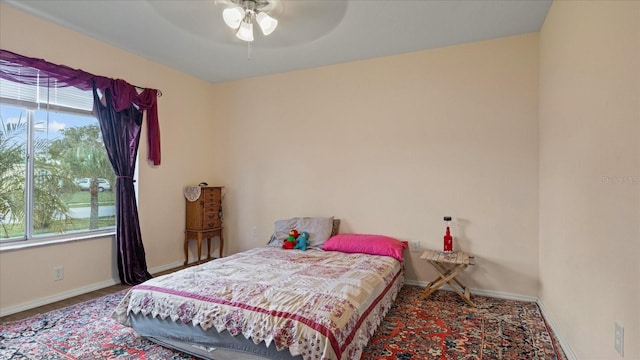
[(318, 304)]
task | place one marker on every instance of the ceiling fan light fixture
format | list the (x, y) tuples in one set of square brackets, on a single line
[(242, 14), (245, 32), (267, 23), (233, 16)]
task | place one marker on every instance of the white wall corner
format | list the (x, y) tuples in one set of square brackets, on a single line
[(561, 340)]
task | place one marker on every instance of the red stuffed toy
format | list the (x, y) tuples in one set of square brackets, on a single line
[(290, 242)]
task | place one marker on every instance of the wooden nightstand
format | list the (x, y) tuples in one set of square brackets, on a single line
[(448, 265)]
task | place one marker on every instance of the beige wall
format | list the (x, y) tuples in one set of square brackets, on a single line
[(390, 146), (188, 138), (590, 173)]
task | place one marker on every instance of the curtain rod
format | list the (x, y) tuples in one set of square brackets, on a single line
[(73, 77), (158, 91)]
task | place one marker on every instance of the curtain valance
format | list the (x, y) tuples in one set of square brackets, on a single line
[(33, 71)]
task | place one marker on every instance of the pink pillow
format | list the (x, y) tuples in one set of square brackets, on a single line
[(367, 244)]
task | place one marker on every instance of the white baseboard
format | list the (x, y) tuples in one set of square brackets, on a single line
[(57, 297), (489, 293), (563, 342), (166, 267), (75, 292), (508, 296)]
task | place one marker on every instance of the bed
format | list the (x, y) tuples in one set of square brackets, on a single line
[(270, 303)]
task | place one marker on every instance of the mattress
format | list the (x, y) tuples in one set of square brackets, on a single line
[(267, 303)]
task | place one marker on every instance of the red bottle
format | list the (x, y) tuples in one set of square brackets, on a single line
[(448, 241)]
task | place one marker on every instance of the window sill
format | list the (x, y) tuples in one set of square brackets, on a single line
[(25, 244)]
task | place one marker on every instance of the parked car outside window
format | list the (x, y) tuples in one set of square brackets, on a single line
[(85, 183)]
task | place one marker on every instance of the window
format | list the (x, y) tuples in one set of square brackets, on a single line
[(55, 176)]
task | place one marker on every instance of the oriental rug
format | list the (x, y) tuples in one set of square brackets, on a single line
[(439, 327), (443, 326)]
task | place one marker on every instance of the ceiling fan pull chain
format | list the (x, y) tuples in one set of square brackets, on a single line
[(248, 50)]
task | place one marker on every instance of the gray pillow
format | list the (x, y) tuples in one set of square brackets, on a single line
[(319, 229)]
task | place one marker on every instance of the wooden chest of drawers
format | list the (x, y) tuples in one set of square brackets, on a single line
[(205, 212), (204, 220)]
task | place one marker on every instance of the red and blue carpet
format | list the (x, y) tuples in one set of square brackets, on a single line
[(443, 326), (439, 327)]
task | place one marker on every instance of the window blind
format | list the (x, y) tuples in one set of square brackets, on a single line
[(38, 96)]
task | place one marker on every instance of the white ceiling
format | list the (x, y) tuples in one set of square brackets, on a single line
[(191, 36)]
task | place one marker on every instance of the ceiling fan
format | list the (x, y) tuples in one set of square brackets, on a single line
[(242, 14)]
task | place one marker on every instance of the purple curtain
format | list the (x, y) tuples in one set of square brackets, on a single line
[(120, 115), (121, 136), (32, 71)]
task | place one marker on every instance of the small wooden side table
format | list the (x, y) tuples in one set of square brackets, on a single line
[(448, 265), (198, 235)]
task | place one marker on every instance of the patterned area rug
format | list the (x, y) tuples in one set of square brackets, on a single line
[(443, 326), (439, 327), (82, 331)]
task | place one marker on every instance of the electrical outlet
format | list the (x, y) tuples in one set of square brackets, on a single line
[(619, 339), (415, 245), (58, 273), (254, 232)]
